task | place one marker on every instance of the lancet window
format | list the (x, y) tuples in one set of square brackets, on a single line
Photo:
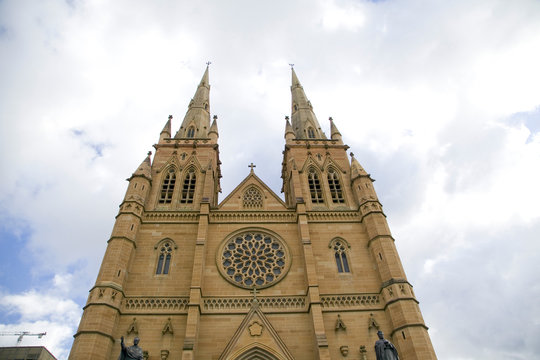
[(164, 258), (339, 247), (311, 133), (188, 188), (167, 187), (191, 132), (315, 187), (335, 187)]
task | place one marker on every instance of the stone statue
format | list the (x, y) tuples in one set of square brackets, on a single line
[(133, 352), (384, 349)]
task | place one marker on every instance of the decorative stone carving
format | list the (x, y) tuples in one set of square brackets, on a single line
[(372, 323), (363, 352), (253, 259), (340, 325), (167, 328), (133, 328), (255, 328), (164, 354), (344, 349)]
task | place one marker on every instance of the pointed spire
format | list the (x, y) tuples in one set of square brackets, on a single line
[(167, 127), (356, 169), (289, 132), (334, 132), (213, 132), (304, 121), (145, 168), (196, 122)]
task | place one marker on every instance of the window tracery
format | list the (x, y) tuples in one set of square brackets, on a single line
[(315, 187), (252, 198), (167, 187), (164, 258), (188, 188), (253, 259), (335, 187), (339, 247)]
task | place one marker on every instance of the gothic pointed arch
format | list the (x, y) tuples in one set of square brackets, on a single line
[(189, 184), (172, 161), (315, 185), (265, 342), (335, 185), (340, 252), (167, 185), (257, 351), (165, 249), (311, 162)]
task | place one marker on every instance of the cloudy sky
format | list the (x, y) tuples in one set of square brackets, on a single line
[(439, 100)]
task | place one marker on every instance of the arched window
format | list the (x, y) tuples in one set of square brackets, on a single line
[(315, 187), (339, 247), (164, 258), (188, 188), (191, 132), (167, 188), (335, 187), (311, 133), (252, 198)]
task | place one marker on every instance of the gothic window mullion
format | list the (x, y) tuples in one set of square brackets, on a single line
[(335, 187), (167, 187), (315, 189), (188, 188)]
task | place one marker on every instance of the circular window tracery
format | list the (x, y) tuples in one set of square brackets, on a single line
[(253, 259)]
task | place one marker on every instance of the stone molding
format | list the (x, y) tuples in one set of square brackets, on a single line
[(171, 217), (270, 304), (153, 304), (333, 216), (252, 217), (359, 301)]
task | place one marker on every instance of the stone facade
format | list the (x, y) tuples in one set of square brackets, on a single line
[(252, 277)]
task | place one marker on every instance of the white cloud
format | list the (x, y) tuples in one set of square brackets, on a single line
[(422, 92)]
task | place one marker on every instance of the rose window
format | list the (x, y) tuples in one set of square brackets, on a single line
[(253, 260)]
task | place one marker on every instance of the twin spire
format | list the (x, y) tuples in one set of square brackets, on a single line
[(196, 123)]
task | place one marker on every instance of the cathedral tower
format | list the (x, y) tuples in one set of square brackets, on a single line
[(251, 277)]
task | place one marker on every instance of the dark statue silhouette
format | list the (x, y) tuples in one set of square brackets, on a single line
[(384, 349), (133, 352)]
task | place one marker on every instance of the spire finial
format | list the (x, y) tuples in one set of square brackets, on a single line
[(352, 155), (149, 153), (170, 117), (208, 63), (292, 66), (287, 117), (214, 117), (252, 166), (330, 118)]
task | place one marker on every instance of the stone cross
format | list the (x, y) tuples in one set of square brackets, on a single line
[(252, 166)]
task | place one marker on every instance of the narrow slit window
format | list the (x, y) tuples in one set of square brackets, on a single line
[(340, 254), (335, 187), (188, 188), (315, 187), (164, 259), (167, 188)]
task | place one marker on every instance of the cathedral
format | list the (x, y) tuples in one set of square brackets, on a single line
[(253, 276)]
